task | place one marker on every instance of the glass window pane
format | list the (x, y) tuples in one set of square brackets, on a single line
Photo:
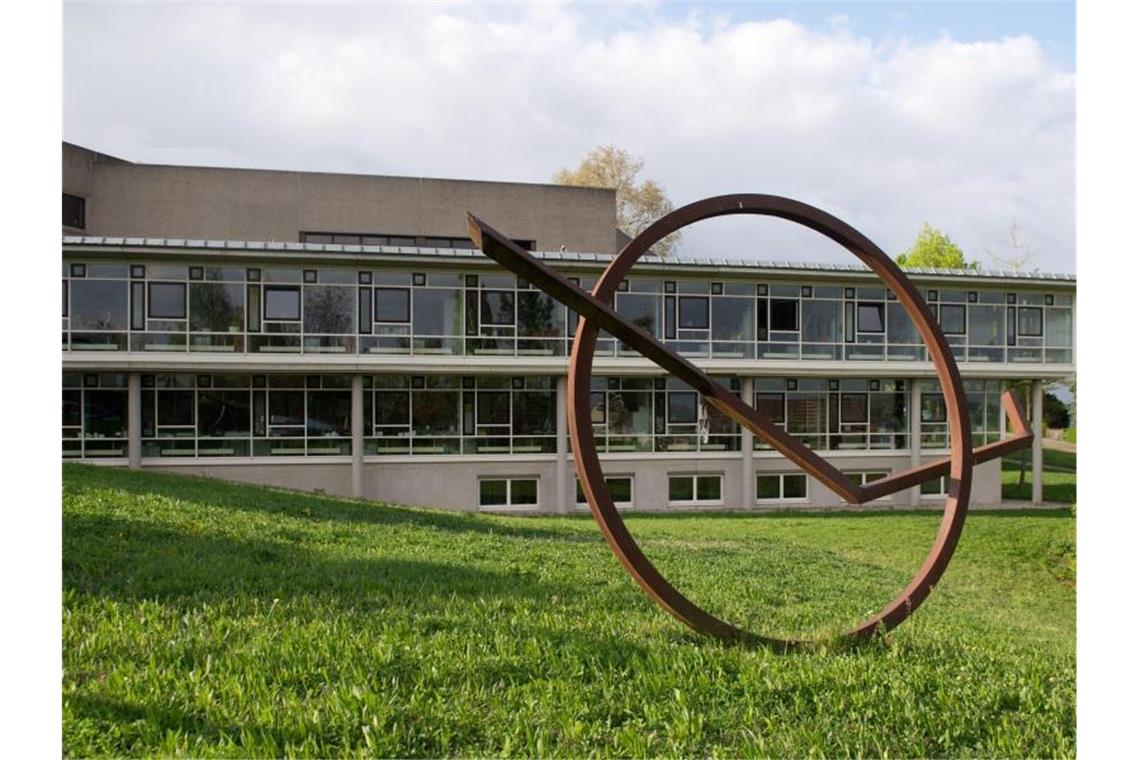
[(681, 488), (497, 307), (540, 315), (330, 413), (494, 407), (693, 312), (287, 408), (795, 486), (435, 413), (682, 407), (98, 305), (492, 493), (167, 300), (767, 486), (1059, 328), (621, 490), (393, 305), (870, 317), (1029, 321), (534, 413), (223, 413), (524, 491), (732, 319), (217, 307), (642, 310), (282, 303), (105, 414), (330, 309), (708, 488), (437, 312), (392, 408), (176, 408), (986, 326), (822, 321), (952, 318), (785, 314)]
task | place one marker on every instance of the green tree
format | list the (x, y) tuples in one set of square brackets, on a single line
[(638, 204), (934, 248), (1055, 412)]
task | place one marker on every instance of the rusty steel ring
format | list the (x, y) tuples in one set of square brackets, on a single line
[(596, 313)]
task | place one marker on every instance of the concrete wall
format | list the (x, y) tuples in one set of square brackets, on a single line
[(454, 484), (140, 200)]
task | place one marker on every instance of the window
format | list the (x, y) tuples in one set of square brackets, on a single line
[(74, 211), (695, 489), (508, 492), (166, 300), (952, 318), (1029, 321), (785, 314), (98, 305), (936, 487), (282, 303), (781, 486), (693, 312), (620, 488), (870, 317), (393, 305), (497, 307)]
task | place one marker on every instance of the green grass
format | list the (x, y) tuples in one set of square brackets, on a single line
[(209, 619), (1059, 480), (1070, 435)]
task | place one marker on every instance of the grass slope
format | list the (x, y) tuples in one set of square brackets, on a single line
[(210, 619)]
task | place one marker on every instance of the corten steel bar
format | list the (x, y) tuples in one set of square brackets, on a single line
[(596, 314)]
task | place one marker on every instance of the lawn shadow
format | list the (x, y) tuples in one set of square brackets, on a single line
[(227, 495), (127, 559)]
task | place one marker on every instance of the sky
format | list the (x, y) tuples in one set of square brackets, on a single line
[(888, 115)]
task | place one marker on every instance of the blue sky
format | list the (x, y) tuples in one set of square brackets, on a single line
[(1052, 24)]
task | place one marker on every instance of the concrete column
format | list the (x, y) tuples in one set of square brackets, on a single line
[(562, 460), (358, 436), (914, 410), (134, 421), (746, 440), (1038, 430)]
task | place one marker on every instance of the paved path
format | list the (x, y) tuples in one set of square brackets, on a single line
[(1051, 443)]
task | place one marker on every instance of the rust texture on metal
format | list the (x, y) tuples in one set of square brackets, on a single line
[(596, 314)]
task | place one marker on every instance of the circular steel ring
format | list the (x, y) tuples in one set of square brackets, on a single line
[(590, 470)]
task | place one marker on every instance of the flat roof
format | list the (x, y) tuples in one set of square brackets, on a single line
[(744, 265)]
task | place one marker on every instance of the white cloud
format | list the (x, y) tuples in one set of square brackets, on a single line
[(966, 136)]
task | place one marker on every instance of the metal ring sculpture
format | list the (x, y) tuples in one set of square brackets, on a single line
[(596, 313)]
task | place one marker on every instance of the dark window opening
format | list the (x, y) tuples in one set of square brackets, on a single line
[(74, 211), (870, 317), (785, 314)]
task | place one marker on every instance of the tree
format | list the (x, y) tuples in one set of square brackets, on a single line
[(1018, 253), (933, 248), (1055, 412), (638, 205)]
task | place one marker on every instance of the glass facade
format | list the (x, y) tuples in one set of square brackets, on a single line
[(254, 309), (269, 415)]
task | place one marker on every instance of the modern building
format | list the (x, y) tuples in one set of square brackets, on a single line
[(338, 333)]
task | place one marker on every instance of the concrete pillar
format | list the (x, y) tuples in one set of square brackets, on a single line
[(358, 436), (134, 421), (747, 480), (562, 460), (914, 421), (1038, 431)]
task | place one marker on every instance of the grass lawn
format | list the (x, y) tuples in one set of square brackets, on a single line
[(1059, 479), (209, 619)]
